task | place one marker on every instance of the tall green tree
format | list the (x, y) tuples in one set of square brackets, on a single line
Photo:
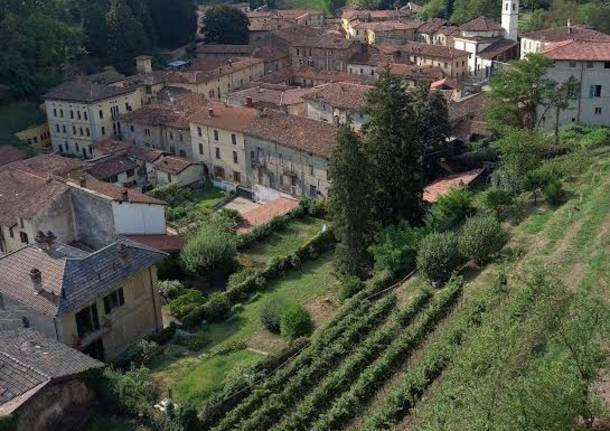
[(395, 147), (465, 10), (517, 91), (430, 110), (93, 16), (349, 204), (141, 12), (175, 21), (126, 36), (226, 24)]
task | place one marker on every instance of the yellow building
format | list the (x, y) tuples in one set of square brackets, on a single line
[(99, 303), (37, 136), (453, 62)]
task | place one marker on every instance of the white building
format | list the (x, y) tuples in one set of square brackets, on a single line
[(589, 63), (537, 41)]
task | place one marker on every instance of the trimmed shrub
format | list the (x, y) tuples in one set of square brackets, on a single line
[(194, 342), (481, 238), (218, 307), (130, 392), (170, 289), (239, 277), (451, 210), (211, 251), (185, 303), (296, 322), (271, 314), (396, 248), (553, 192), (438, 256), (351, 286)]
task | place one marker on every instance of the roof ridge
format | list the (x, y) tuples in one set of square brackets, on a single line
[(29, 367)]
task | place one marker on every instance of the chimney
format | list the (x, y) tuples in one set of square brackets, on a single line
[(144, 64), (211, 112), (124, 194), (36, 277), (249, 101), (121, 250)]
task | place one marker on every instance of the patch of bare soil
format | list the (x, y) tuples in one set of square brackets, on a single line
[(323, 309), (266, 342)]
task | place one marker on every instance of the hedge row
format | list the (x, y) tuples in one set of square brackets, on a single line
[(367, 383), (342, 378), (266, 400), (320, 243)]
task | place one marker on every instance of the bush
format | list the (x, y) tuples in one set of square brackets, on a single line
[(481, 238), (396, 248), (193, 342), (296, 322), (438, 256), (164, 336), (185, 303), (553, 192), (131, 392), (170, 289), (271, 314), (295, 261), (239, 277), (496, 199), (351, 286), (217, 307), (173, 194), (451, 210), (211, 251), (232, 215)]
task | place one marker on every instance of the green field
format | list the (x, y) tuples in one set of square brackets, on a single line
[(195, 376)]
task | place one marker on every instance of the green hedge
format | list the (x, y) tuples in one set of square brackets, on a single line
[(320, 243)]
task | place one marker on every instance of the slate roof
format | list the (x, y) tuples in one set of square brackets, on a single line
[(173, 164), (29, 361), (497, 48), (9, 154), (84, 91), (71, 278), (428, 50), (106, 167), (112, 146), (579, 50), (341, 95), (481, 23), (559, 34), (432, 26), (304, 134)]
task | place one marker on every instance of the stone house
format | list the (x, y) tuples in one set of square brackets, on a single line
[(453, 62), (218, 141), (83, 210), (338, 103), (589, 63), (275, 19), (273, 58), (98, 302), (37, 136), (323, 52), (427, 30), (87, 110), (444, 35), (372, 33), (275, 96), (114, 169), (366, 61), (288, 154), (178, 170), (350, 16), (41, 385)]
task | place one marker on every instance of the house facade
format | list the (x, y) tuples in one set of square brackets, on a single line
[(338, 103)]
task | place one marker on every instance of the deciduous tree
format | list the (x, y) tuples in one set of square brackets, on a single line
[(226, 24)]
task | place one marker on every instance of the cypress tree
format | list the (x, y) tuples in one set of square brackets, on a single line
[(349, 204), (394, 148)]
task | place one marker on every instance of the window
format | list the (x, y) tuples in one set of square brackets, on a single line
[(61, 113), (88, 132), (234, 156), (218, 153), (169, 178), (71, 114), (131, 128), (595, 91), (130, 173), (598, 110), (180, 138), (85, 115), (87, 320), (589, 64), (76, 145), (103, 130), (78, 114), (215, 135), (313, 191), (55, 112), (80, 130), (20, 222), (113, 179), (24, 237), (606, 64), (57, 128), (63, 128), (233, 139), (90, 150), (113, 300), (311, 170), (182, 153), (236, 177), (219, 172), (11, 233), (199, 131), (74, 130), (200, 148), (171, 136), (101, 113), (61, 148)]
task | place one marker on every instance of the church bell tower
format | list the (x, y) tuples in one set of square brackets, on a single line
[(510, 18)]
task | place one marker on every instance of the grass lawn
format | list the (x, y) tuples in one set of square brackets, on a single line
[(207, 199), (280, 243), (16, 116), (194, 377), (321, 5), (106, 423)]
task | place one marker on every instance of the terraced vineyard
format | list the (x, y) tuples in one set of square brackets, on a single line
[(423, 357)]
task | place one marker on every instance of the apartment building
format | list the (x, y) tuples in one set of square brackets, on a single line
[(217, 136), (589, 63), (87, 110), (338, 103)]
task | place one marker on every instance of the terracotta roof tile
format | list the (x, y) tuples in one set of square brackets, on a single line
[(264, 213), (226, 117), (115, 193), (340, 95), (433, 192), (9, 154), (108, 166), (166, 243), (560, 34), (432, 26), (112, 146), (428, 50), (174, 114), (497, 48), (579, 50), (173, 164), (481, 23), (51, 164)]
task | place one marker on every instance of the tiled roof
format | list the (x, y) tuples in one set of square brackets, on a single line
[(428, 50), (51, 164), (472, 106), (84, 91), (432, 26), (310, 136), (579, 50), (433, 192), (9, 154), (340, 95), (497, 48), (29, 360), (416, 73), (448, 30), (201, 76), (465, 129), (108, 76), (25, 194), (108, 166), (235, 118), (173, 164), (264, 213), (560, 34), (380, 26), (115, 193), (313, 74), (166, 243), (112, 146), (174, 114), (71, 278), (481, 23), (369, 55), (269, 95)]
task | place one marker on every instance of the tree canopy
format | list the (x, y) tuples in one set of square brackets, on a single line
[(226, 24)]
